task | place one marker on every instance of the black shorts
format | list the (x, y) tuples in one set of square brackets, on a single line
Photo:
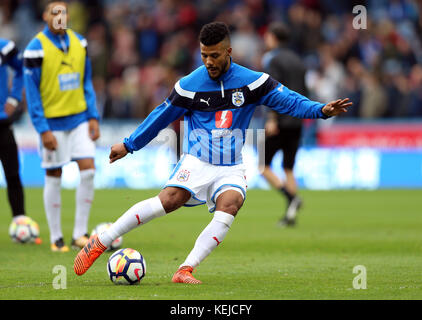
[(286, 140), (8, 152)]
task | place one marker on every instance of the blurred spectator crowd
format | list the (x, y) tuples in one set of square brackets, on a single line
[(140, 48)]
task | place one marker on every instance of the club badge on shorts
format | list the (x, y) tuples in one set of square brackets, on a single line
[(238, 98), (183, 175)]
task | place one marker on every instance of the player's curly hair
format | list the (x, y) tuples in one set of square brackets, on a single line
[(213, 33)]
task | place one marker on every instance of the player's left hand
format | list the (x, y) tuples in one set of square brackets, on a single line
[(94, 129), (117, 152), (336, 107)]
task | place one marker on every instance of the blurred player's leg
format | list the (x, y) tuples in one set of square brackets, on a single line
[(82, 150), (289, 190), (294, 202), (290, 146), (15, 195), (277, 183), (272, 145), (272, 178), (84, 197), (10, 162), (52, 206)]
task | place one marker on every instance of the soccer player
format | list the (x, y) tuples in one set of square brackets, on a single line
[(9, 99), (61, 103), (217, 101), (283, 132)]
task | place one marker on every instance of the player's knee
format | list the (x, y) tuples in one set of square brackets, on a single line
[(87, 174), (86, 164), (171, 204), (230, 208), (230, 202), (173, 198)]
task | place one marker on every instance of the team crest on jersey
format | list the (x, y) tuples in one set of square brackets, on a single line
[(183, 175), (238, 98)]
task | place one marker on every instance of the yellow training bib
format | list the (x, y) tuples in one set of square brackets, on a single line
[(62, 77)]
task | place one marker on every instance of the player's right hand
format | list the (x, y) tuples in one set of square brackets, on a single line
[(49, 140), (117, 152)]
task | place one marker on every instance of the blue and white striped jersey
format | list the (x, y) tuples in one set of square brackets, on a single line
[(217, 112)]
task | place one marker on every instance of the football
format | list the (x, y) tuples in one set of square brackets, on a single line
[(126, 266), (116, 244), (23, 229)]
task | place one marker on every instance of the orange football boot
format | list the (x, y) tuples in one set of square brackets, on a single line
[(88, 254), (184, 275)]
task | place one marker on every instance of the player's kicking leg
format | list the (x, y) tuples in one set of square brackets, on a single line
[(88, 254), (167, 201)]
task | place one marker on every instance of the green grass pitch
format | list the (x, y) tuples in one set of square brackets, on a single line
[(336, 231)]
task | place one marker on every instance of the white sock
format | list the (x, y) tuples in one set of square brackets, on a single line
[(209, 238), (84, 197), (139, 214), (52, 206)]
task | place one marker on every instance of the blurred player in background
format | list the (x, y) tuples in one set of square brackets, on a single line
[(62, 105), (217, 101), (283, 132), (9, 99)]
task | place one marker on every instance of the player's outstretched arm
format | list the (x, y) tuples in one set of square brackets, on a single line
[(117, 152), (285, 101), (336, 107)]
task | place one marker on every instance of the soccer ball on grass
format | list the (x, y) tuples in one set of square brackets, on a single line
[(126, 266), (23, 229)]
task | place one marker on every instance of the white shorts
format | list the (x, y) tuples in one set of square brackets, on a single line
[(206, 181), (72, 145)]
